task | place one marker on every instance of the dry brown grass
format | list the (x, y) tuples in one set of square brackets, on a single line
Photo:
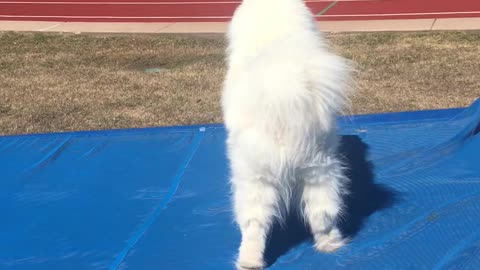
[(413, 71), (60, 82)]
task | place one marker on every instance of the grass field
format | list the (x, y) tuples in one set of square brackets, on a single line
[(62, 82)]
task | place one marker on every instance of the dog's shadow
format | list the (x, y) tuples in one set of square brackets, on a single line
[(366, 197)]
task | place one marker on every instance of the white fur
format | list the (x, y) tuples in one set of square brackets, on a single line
[(281, 95)]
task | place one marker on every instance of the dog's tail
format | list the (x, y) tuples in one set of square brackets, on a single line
[(330, 80)]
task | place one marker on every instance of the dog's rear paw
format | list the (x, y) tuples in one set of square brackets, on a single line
[(250, 263), (248, 267), (329, 242), (250, 257)]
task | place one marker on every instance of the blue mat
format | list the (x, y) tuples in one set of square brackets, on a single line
[(158, 198)]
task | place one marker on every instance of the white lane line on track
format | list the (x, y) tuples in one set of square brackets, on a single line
[(228, 17), (156, 3)]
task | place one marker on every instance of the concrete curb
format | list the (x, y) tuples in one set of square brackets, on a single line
[(219, 27)]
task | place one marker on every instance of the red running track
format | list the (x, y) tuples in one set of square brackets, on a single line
[(222, 10)]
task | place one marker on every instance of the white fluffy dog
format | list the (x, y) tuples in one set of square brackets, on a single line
[(281, 95)]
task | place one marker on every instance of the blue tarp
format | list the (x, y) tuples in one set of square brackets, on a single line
[(157, 198)]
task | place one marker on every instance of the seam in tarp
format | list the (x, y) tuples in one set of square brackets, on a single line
[(461, 246), (171, 192), (50, 156)]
